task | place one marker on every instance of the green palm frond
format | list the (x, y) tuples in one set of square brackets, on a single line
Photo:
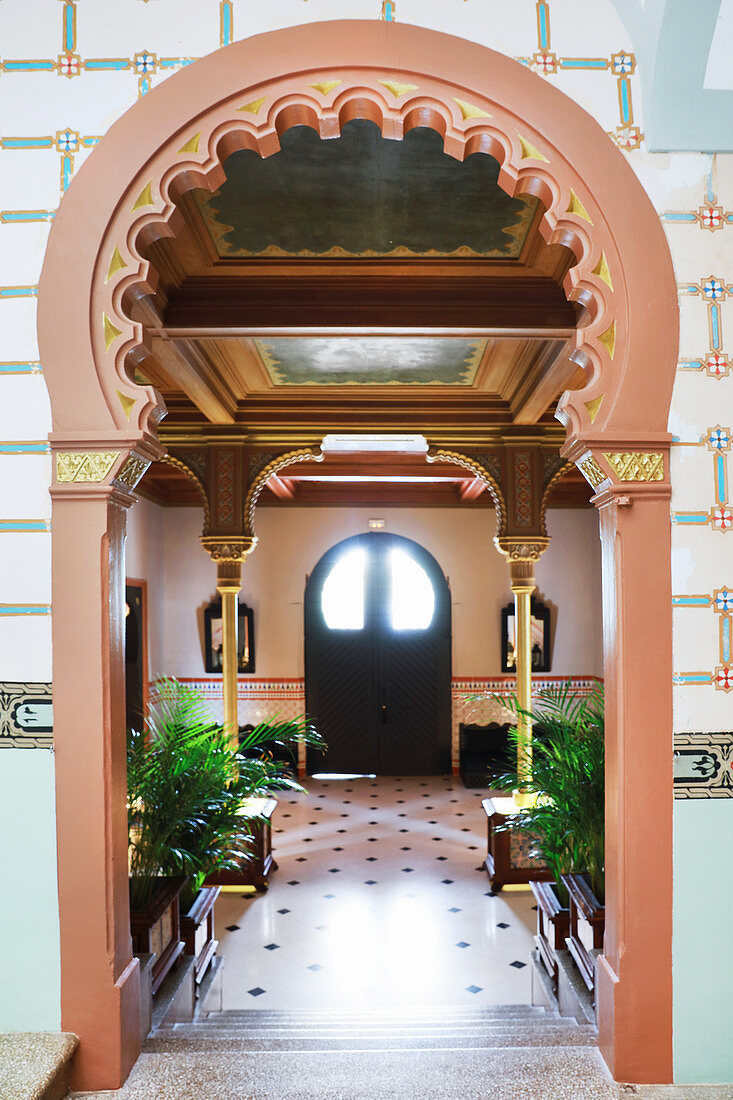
[(188, 786)]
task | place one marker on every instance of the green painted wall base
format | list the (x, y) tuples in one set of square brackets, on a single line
[(702, 943)]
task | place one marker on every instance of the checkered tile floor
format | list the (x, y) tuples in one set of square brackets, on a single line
[(380, 899)]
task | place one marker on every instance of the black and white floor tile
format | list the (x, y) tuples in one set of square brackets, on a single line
[(380, 899)]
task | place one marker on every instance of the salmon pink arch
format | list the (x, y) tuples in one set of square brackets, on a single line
[(399, 76), (93, 293)]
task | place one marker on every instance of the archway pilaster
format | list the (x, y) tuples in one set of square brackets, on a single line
[(634, 977), (89, 521)]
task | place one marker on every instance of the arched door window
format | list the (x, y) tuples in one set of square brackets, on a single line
[(411, 595), (342, 595)]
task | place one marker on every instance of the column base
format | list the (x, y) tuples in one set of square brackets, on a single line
[(108, 1026)]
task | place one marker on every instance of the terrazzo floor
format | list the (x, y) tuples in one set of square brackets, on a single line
[(380, 899)]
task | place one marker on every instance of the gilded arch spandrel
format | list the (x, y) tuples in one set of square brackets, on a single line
[(477, 468), (281, 462)]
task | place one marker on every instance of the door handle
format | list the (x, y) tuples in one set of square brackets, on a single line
[(383, 712)]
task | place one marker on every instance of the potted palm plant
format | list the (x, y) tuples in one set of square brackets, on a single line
[(188, 790), (564, 787)]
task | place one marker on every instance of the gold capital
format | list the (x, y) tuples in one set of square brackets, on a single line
[(521, 575), (522, 550), (234, 548), (88, 466), (637, 465)]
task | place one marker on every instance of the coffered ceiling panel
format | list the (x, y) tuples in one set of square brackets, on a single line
[(373, 361)]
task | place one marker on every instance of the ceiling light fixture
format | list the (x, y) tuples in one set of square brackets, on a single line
[(361, 444)]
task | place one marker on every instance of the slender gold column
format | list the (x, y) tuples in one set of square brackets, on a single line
[(523, 585), (522, 557), (229, 557), (228, 585)]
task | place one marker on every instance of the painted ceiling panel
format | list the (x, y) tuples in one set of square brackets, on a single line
[(371, 361), (364, 195)]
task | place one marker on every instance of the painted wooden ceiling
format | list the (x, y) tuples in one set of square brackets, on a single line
[(364, 195), (359, 285)]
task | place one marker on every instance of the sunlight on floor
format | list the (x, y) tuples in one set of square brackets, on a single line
[(380, 899)]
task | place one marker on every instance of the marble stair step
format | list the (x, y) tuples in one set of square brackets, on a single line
[(554, 1073), (368, 1034), (406, 1015), (205, 1042), (36, 1066), (366, 1029), (375, 1028), (378, 1021)]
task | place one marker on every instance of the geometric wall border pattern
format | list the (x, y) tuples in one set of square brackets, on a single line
[(26, 716)]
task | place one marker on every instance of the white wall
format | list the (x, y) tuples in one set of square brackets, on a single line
[(291, 541)]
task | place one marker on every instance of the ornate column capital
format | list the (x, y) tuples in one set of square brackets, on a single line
[(232, 548), (517, 549), (108, 467), (228, 554), (521, 555)]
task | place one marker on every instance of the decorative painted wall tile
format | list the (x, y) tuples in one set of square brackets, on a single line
[(703, 765), (476, 702), (26, 716)]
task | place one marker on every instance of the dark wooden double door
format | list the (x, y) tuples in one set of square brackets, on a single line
[(380, 693)]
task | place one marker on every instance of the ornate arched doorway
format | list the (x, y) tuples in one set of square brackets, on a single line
[(92, 310)]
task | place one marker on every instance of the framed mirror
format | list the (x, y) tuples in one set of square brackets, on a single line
[(213, 638), (540, 634)]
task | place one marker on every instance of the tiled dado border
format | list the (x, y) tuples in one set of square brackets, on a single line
[(703, 765), (260, 699), (26, 716)]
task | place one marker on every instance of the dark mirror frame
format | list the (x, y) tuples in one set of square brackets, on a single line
[(246, 635), (541, 614)]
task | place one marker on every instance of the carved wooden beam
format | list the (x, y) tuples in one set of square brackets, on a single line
[(189, 369), (281, 487)]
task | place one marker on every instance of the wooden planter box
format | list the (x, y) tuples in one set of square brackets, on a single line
[(156, 930), (256, 869), (197, 930), (587, 923), (553, 927), (508, 858)]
